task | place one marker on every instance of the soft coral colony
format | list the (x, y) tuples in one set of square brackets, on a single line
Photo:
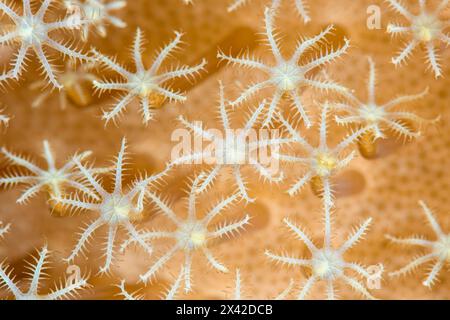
[(31, 31), (78, 187), (233, 149)]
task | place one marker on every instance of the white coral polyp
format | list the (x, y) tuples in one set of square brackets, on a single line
[(321, 161), (426, 27), (32, 32), (372, 113), (145, 83), (381, 117), (99, 13), (442, 248), (439, 250), (324, 163), (232, 149), (116, 209), (192, 235), (287, 76)]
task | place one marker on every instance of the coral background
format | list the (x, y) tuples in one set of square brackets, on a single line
[(386, 189)]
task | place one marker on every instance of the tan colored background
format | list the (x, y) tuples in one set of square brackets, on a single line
[(386, 189)]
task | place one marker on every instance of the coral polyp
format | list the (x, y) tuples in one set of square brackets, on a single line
[(115, 209), (146, 85), (439, 249), (98, 13), (233, 149), (426, 29), (246, 123), (192, 234), (32, 32), (37, 269), (287, 77), (4, 120), (171, 293), (301, 6), (4, 228), (326, 263), (53, 179), (383, 119), (321, 162), (76, 82)]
